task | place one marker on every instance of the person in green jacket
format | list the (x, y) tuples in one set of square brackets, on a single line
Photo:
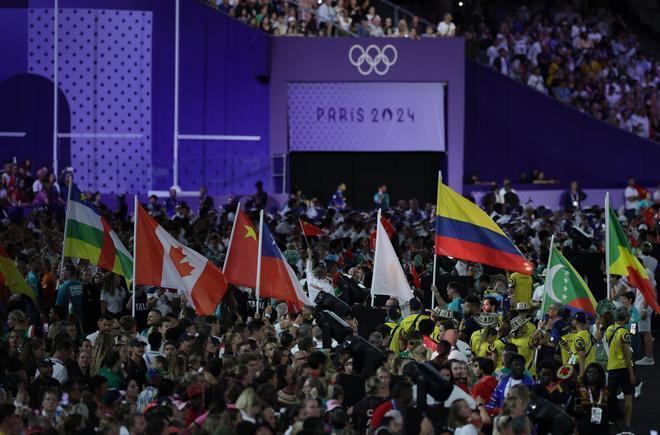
[(111, 370)]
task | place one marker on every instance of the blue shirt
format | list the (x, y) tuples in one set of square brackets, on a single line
[(70, 291), (456, 306), (634, 317), (33, 281), (338, 199)]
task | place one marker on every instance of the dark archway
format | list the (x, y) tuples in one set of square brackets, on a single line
[(26, 104)]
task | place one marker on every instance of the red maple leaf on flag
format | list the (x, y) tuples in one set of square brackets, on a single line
[(177, 256)]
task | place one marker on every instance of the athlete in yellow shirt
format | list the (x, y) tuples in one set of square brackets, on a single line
[(520, 287), (619, 366), (522, 338), (583, 347)]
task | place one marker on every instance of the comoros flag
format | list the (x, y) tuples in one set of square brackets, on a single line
[(564, 284)]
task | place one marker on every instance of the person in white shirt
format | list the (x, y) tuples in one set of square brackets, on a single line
[(632, 199), (316, 278), (326, 13), (62, 353), (535, 80), (446, 27), (155, 342), (640, 123), (104, 324), (651, 266)]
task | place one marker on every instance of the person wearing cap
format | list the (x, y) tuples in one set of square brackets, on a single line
[(44, 381), (522, 337), (583, 349), (136, 366)]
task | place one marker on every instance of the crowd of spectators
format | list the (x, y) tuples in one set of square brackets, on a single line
[(166, 370), (589, 60)]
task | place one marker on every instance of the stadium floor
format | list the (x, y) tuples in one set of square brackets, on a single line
[(646, 408)]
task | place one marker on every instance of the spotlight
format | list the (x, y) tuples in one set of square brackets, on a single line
[(428, 381), (327, 301), (460, 4), (332, 326), (367, 357)]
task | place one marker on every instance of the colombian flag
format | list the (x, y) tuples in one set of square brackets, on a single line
[(464, 231)]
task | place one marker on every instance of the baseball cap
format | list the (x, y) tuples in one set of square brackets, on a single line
[(137, 343), (112, 397), (46, 362), (580, 317), (186, 337)]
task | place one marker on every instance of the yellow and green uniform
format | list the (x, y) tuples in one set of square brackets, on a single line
[(496, 349), (479, 344), (617, 336), (395, 334), (583, 341), (411, 322), (521, 288), (565, 346), (526, 349), (436, 335)]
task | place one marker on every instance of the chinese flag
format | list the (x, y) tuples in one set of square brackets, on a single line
[(310, 230), (240, 266)]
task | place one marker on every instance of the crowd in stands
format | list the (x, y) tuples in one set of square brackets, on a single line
[(591, 61), (98, 369)]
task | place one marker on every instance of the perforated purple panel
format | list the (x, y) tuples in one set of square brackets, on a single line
[(105, 73)]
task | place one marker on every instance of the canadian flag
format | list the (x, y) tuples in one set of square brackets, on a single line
[(162, 261)]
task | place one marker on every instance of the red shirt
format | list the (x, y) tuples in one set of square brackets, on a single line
[(484, 388), (380, 412)]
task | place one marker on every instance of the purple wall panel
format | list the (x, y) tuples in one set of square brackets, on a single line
[(13, 34), (510, 129), (105, 74), (223, 91), (320, 60)]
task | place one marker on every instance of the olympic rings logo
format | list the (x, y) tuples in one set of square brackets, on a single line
[(373, 58)]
